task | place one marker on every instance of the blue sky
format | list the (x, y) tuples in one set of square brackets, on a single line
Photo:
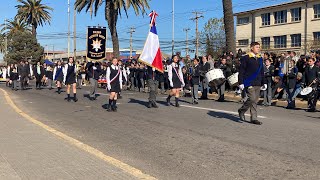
[(56, 33)]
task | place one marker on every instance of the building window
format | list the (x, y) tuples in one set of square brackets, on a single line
[(296, 14), (280, 41), (265, 19), (243, 42), (280, 17), (244, 20), (316, 36), (265, 42), (316, 9), (296, 40)]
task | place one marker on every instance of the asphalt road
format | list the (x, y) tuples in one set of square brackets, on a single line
[(191, 142)]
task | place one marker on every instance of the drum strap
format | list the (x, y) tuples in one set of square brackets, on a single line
[(247, 82), (177, 73)]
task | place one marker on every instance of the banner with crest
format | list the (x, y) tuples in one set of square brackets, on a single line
[(96, 43)]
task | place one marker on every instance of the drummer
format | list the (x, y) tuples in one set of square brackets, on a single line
[(204, 69), (195, 80), (310, 79), (226, 72)]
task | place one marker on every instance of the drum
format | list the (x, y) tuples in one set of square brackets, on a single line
[(215, 77), (233, 79), (306, 91)]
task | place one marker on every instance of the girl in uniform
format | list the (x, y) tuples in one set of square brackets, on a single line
[(114, 81), (176, 80), (58, 75), (70, 78)]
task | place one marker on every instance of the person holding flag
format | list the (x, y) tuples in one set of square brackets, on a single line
[(151, 56)]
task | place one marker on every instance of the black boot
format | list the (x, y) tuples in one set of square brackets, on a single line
[(75, 99), (114, 106), (68, 98), (59, 90), (177, 102), (109, 105), (168, 100)]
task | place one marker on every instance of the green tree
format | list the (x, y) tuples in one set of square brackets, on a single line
[(212, 37), (229, 25), (34, 13), (2, 43), (15, 25), (112, 9), (23, 46)]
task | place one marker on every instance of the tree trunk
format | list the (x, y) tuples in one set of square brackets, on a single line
[(34, 30), (229, 25), (111, 16)]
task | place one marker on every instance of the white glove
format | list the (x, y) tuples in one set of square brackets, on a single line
[(241, 86), (121, 86), (182, 85), (171, 84), (94, 68), (109, 87), (264, 87)]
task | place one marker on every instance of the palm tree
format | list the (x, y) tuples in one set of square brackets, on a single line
[(112, 9), (2, 43), (34, 13), (13, 26), (229, 25)]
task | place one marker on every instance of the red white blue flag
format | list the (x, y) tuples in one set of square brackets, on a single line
[(151, 53)]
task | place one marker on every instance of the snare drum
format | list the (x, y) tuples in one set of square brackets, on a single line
[(215, 77), (233, 79)]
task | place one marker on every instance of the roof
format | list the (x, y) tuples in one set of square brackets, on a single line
[(270, 7)]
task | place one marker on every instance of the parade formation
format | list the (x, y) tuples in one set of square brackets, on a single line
[(235, 100)]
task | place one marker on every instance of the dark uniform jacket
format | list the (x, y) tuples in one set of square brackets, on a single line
[(35, 73), (310, 74), (24, 70), (292, 78), (154, 75), (268, 73), (251, 71), (93, 73), (195, 77)]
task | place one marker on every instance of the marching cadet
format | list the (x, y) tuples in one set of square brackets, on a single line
[(226, 72), (291, 83), (49, 75), (39, 74), (268, 74), (14, 76), (204, 69), (132, 75), (195, 80), (124, 76), (153, 77), (175, 79), (114, 81), (58, 76), (141, 74), (251, 79), (311, 78), (94, 71), (70, 79)]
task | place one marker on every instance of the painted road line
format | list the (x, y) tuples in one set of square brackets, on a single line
[(117, 163), (218, 110)]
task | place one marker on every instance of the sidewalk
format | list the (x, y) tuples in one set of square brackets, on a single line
[(29, 152)]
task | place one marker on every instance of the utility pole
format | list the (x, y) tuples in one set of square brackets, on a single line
[(196, 18), (172, 27), (75, 34), (132, 30), (68, 28), (5, 38), (187, 48)]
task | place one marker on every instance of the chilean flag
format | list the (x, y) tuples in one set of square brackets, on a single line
[(151, 54)]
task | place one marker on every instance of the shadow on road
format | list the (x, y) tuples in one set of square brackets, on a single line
[(136, 101), (222, 115)]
